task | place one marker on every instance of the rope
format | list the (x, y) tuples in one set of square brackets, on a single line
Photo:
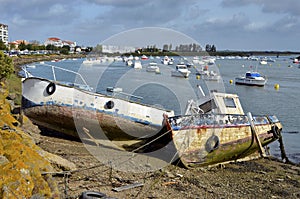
[(281, 146), (282, 150), (150, 141)]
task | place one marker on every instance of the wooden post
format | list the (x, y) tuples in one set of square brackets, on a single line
[(261, 149)]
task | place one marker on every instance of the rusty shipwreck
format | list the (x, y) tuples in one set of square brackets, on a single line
[(218, 131)]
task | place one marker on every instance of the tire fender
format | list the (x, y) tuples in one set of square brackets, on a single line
[(212, 143), (109, 104), (50, 89)]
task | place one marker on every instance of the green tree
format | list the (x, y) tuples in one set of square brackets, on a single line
[(65, 50), (6, 66), (208, 48), (51, 47), (12, 46), (29, 47), (2, 45), (22, 46), (213, 48), (67, 47)]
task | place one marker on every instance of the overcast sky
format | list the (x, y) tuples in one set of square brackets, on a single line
[(228, 24)]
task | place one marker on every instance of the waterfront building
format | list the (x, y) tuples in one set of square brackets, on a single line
[(54, 41), (4, 33), (117, 49), (60, 43)]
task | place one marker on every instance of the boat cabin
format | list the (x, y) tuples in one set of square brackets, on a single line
[(252, 75), (222, 103), (181, 67), (228, 103)]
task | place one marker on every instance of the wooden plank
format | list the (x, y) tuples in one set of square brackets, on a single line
[(261, 149), (122, 188)]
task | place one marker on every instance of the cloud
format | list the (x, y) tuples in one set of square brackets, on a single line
[(290, 7), (123, 15), (255, 26), (118, 3), (235, 22), (142, 13), (287, 24), (238, 3), (38, 12)]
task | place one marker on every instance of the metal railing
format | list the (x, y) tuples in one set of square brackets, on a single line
[(218, 120), (53, 69)]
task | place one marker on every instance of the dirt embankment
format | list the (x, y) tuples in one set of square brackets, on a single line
[(21, 161)]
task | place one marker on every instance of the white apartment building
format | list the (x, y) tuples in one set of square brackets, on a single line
[(117, 49), (60, 43), (4, 33)]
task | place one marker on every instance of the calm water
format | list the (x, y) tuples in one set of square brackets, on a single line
[(162, 90)]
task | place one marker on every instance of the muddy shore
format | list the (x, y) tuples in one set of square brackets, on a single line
[(260, 178)]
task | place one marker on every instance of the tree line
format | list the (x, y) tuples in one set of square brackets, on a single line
[(35, 46)]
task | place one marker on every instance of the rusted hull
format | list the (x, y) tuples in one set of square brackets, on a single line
[(85, 123), (204, 145)]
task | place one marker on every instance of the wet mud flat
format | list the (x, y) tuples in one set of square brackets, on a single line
[(260, 178)]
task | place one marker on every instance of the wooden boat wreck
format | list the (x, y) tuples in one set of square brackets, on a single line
[(218, 131), (76, 111)]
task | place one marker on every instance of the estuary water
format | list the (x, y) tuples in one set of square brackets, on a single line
[(168, 92)]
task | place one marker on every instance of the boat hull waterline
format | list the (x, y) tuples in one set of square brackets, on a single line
[(250, 82)]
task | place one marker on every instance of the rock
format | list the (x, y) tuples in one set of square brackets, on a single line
[(58, 161), (3, 160), (179, 175), (170, 175), (16, 110), (11, 96), (5, 127)]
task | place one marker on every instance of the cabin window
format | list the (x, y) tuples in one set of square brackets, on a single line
[(229, 102)]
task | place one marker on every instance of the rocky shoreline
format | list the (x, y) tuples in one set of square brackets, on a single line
[(43, 164), (22, 60)]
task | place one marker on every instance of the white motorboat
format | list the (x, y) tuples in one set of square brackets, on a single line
[(137, 64), (263, 62), (181, 71), (251, 79), (211, 76), (152, 67), (129, 62), (165, 60), (144, 57)]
